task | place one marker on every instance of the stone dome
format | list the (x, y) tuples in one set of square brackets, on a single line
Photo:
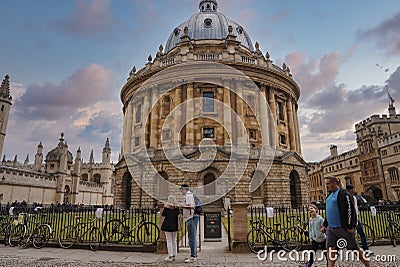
[(209, 24), (55, 154)]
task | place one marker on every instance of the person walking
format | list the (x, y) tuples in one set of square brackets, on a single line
[(317, 237), (170, 226), (340, 222), (191, 221), (359, 228)]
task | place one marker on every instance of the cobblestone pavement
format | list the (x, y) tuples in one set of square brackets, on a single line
[(49, 257)]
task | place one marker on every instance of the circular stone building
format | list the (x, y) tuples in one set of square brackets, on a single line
[(212, 111)]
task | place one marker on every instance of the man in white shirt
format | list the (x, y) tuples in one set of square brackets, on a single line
[(191, 221)]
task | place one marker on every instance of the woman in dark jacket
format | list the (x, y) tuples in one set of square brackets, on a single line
[(170, 226)]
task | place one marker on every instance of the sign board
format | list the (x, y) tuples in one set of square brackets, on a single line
[(212, 226)]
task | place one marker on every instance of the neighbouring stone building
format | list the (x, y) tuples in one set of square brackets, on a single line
[(164, 112), (57, 177), (373, 167)]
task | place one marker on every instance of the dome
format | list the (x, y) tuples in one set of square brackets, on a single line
[(208, 24), (55, 154)]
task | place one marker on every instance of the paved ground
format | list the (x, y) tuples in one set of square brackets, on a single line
[(46, 257), (212, 254)]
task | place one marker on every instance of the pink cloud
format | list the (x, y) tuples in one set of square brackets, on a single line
[(85, 87), (315, 74), (87, 18)]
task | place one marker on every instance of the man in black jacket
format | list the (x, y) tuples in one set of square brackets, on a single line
[(340, 222)]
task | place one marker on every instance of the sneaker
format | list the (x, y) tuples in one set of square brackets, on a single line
[(191, 259), (169, 259), (369, 252)]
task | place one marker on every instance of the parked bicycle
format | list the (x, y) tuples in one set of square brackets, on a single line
[(5, 227), (393, 226), (369, 234), (26, 231), (260, 236), (297, 235), (81, 232), (147, 233)]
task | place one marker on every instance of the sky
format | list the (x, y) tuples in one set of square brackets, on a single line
[(68, 60)]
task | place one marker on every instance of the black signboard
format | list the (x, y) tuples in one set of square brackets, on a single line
[(212, 226)]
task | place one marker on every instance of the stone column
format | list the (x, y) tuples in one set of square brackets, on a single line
[(263, 116), (177, 114), (290, 124), (240, 227), (154, 117), (189, 116), (162, 241), (227, 118), (239, 111), (146, 116), (129, 123), (272, 103), (296, 122)]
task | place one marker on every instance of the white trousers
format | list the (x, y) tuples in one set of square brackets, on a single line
[(171, 243)]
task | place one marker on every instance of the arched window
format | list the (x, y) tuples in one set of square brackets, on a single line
[(84, 177), (394, 174), (209, 185), (295, 190), (166, 106), (127, 183), (97, 178)]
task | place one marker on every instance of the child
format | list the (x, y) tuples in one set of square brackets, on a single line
[(317, 238), (170, 226)]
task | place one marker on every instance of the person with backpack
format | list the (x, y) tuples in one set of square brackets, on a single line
[(191, 219)]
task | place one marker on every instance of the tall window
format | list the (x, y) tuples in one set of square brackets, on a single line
[(138, 113), (250, 105), (166, 106), (208, 102), (394, 174), (281, 115), (97, 178)]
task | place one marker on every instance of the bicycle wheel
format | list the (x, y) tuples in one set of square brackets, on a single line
[(114, 231), (256, 240), (95, 239), (41, 235), (369, 234), (148, 234), (17, 234), (293, 239), (67, 237)]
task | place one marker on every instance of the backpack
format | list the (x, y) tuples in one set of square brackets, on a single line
[(198, 209)]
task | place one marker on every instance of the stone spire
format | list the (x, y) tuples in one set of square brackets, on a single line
[(38, 158), (106, 153), (91, 159), (26, 162), (5, 88), (208, 6), (392, 109)]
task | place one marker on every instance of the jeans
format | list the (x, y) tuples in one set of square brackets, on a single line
[(360, 231), (191, 225), (315, 246)]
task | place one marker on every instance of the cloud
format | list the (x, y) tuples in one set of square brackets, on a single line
[(386, 35), (49, 101), (313, 75), (102, 125), (88, 18)]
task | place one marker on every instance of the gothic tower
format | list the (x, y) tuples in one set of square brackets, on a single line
[(5, 106)]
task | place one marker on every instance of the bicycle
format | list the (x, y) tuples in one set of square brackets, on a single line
[(5, 227), (297, 234), (146, 232), (260, 236), (393, 226), (71, 234), (25, 231), (369, 234)]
